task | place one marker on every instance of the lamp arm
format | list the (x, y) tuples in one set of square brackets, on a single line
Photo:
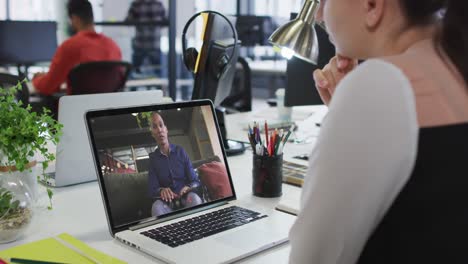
[(308, 11)]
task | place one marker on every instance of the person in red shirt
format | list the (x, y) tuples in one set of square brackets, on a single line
[(87, 45)]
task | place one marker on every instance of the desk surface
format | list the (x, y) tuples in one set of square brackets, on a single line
[(305, 117), (79, 211)]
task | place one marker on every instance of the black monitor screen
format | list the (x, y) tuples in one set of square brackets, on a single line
[(300, 84), (254, 30), (217, 42), (27, 42)]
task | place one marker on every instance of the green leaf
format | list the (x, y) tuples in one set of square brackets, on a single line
[(22, 134), (15, 205)]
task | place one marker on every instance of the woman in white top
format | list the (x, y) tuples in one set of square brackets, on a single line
[(415, 78)]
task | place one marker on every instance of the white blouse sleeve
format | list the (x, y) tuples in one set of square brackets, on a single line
[(363, 157)]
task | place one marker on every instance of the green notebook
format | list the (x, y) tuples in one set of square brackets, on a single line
[(50, 249)]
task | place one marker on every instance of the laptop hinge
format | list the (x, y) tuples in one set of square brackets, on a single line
[(147, 223)]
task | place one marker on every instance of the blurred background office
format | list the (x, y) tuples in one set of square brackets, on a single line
[(158, 67)]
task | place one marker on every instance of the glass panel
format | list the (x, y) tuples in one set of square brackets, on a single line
[(225, 7), (276, 8), (32, 10), (3, 9)]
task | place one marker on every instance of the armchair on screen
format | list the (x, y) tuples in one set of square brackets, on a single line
[(99, 77), (9, 80), (240, 98)]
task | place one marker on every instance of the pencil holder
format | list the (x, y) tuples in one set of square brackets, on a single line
[(267, 175)]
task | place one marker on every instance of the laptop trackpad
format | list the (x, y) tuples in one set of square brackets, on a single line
[(247, 238)]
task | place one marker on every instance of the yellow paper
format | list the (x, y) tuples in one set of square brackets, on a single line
[(50, 249)]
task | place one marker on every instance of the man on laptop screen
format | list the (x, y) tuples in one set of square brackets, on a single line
[(171, 176), (190, 214)]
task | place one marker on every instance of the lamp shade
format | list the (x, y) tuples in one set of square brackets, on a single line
[(298, 37)]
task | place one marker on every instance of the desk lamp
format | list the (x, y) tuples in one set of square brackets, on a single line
[(298, 37)]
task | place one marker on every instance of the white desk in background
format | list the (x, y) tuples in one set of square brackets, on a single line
[(79, 211), (274, 70), (268, 66), (305, 117), (163, 82)]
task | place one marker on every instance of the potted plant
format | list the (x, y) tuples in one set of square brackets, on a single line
[(23, 133)]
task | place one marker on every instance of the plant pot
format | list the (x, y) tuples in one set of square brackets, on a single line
[(16, 205), (28, 176)]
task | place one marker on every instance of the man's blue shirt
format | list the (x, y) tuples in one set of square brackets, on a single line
[(174, 171)]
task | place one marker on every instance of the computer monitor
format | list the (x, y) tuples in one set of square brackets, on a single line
[(208, 83), (300, 84), (27, 42), (213, 79), (254, 30), (213, 74)]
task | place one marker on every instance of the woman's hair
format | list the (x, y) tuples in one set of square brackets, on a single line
[(453, 36)]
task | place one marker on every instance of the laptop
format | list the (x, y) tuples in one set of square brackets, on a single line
[(217, 229), (74, 163)]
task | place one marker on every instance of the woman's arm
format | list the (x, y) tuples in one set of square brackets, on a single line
[(363, 157)]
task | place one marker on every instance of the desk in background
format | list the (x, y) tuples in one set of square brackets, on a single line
[(79, 211), (160, 82), (268, 66), (275, 70), (305, 117)]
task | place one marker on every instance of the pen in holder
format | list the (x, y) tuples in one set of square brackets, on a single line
[(267, 175)]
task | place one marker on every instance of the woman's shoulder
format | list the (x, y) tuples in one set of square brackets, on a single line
[(380, 66), (374, 84), (374, 74)]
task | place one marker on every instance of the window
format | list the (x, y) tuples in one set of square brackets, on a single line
[(3, 9), (276, 8), (41, 9), (224, 7), (32, 10)]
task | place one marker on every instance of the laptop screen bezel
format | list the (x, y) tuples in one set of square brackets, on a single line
[(148, 108)]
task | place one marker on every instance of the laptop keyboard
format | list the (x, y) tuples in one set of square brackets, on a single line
[(205, 225)]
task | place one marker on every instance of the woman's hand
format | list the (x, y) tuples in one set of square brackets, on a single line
[(167, 194), (328, 78)]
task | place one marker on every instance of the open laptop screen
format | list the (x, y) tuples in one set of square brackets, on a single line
[(155, 161)]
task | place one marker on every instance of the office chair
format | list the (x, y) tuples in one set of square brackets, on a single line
[(99, 77), (9, 80), (240, 98)]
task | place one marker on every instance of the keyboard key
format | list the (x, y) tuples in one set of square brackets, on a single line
[(209, 224)]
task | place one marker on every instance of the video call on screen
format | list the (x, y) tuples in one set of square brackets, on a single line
[(135, 172)]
